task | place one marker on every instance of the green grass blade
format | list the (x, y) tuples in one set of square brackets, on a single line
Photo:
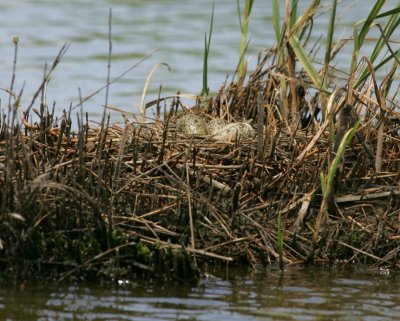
[(356, 50), (298, 26), (305, 62), (243, 39), (342, 147), (359, 38), (211, 28), (302, 21), (387, 59), (369, 21), (308, 23), (293, 13), (390, 12), (391, 25), (388, 30), (249, 6), (329, 38), (207, 44), (204, 91), (276, 20), (323, 183), (239, 14)]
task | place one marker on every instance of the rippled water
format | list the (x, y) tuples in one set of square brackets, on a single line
[(298, 294), (175, 27)]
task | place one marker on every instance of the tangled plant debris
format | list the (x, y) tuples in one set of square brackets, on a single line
[(315, 182)]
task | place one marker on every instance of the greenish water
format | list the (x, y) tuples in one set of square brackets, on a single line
[(298, 294), (175, 27)]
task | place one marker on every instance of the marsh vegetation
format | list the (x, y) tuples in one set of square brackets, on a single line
[(316, 183)]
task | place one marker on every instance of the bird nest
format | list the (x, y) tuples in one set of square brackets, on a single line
[(77, 198)]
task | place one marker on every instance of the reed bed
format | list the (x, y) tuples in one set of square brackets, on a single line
[(83, 198), (317, 184)]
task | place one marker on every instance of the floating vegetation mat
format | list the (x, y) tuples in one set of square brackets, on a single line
[(116, 200), (286, 167)]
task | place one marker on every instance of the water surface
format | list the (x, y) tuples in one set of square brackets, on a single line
[(298, 294), (175, 27)]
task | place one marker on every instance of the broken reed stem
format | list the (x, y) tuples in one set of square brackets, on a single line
[(260, 127), (56, 61), (145, 191), (379, 141), (191, 225), (11, 96), (107, 186), (104, 114)]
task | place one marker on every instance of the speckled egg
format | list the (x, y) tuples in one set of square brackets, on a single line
[(191, 124), (232, 131), (215, 125)]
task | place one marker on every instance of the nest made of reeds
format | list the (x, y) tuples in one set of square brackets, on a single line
[(97, 191)]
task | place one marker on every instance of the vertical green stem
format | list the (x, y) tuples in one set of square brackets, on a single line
[(244, 26)]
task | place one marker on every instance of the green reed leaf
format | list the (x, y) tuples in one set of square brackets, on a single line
[(207, 44), (276, 20), (329, 39), (391, 25), (305, 62)]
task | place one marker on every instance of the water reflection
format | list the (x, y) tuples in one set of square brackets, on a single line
[(298, 294)]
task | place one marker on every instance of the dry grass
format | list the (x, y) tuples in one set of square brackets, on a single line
[(143, 198), (148, 184)]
